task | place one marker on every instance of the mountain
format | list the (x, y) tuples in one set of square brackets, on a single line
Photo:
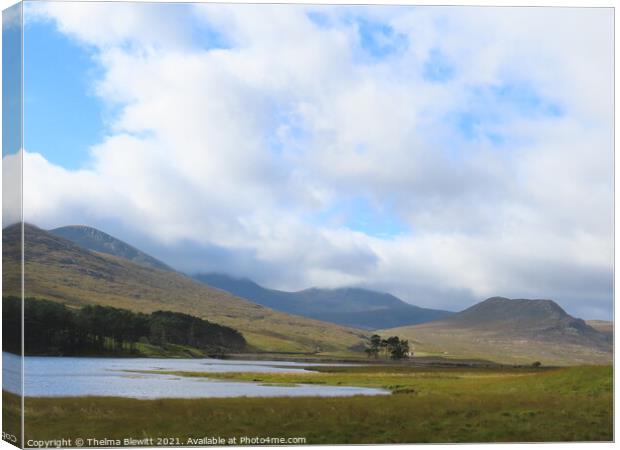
[(59, 270), (507, 330), (604, 326), (354, 307), (98, 241)]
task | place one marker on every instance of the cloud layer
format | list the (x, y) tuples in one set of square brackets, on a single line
[(442, 154)]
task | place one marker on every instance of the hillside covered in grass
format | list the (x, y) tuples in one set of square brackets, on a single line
[(512, 331), (52, 329), (59, 270)]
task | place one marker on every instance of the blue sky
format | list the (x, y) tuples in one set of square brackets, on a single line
[(441, 154), (67, 117), (490, 107), (63, 116)]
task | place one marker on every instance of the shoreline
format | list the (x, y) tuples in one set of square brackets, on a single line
[(415, 361)]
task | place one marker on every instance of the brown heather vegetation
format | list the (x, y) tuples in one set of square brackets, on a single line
[(427, 405), (58, 270), (512, 331)]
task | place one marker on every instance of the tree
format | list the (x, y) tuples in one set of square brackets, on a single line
[(400, 350), (393, 347), (54, 329), (12, 324), (391, 344), (375, 346)]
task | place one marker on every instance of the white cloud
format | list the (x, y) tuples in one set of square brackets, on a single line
[(12, 17), (243, 151), (11, 189), (140, 26)]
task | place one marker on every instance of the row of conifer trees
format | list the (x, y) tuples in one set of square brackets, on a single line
[(52, 328)]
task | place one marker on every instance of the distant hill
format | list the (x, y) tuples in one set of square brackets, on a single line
[(98, 241), (354, 307), (604, 326), (507, 330), (59, 270)]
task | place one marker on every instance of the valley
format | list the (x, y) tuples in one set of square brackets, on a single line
[(58, 270), (89, 267), (439, 405), (490, 373)]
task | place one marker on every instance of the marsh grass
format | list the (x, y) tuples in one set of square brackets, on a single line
[(438, 405)]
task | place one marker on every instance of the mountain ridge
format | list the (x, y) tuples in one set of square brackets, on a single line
[(498, 328), (96, 240), (518, 330), (59, 270), (349, 306)]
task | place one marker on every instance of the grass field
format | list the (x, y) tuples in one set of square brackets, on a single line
[(426, 405), (435, 338)]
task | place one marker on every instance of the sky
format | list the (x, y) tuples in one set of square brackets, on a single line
[(442, 154)]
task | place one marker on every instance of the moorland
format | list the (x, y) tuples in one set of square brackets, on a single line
[(500, 371), (426, 405)]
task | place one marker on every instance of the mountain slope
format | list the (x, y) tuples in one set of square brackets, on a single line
[(507, 330), (355, 307), (57, 269), (604, 326), (98, 241)]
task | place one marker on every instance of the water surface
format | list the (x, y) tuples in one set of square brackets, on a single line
[(77, 377)]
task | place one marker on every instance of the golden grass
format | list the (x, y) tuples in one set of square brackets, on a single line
[(450, 342), (428, 405), (60, 271)]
